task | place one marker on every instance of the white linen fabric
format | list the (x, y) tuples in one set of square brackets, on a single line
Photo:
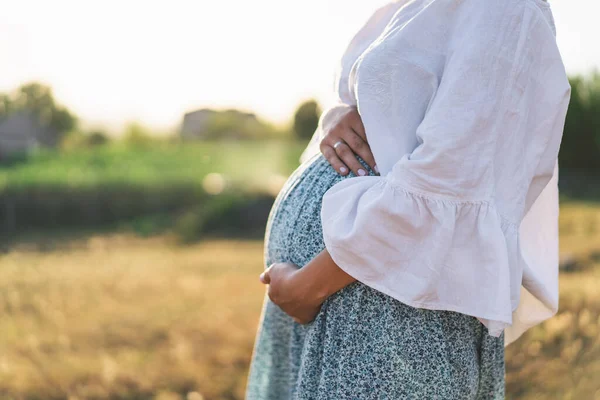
[(464, 104)]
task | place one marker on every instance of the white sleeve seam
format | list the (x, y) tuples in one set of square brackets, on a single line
[(434, 197), (456, 202)]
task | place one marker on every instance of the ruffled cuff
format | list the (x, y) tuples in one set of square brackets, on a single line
[(427, 252)]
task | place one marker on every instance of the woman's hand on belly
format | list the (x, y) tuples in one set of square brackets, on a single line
[(291, 292), (344, 139), (300, 292)]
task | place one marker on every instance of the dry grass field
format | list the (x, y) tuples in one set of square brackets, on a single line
[(118, 317), (121, 318)]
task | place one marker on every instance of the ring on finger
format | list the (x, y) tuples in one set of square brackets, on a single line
[(338, 144)]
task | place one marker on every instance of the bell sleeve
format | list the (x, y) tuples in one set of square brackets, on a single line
[(440, 230)]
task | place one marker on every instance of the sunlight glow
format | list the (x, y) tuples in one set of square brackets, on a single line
[(115, 61)]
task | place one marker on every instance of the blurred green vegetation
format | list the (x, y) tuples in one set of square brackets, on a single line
[(161, 163), (580, 147), (154, 183), (105, 184)]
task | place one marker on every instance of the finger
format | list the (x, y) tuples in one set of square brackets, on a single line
[(334, 160), (349, 158), (356, 124), (360, 147), (265, 277)]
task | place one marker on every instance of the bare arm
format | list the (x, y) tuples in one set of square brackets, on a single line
[(325, 276)]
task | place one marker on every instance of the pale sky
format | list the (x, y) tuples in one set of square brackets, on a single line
[(114, 61)]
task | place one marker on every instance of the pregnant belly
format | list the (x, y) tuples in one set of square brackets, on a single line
[(294, 232)]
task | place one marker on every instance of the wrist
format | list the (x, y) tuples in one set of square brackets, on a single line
[(312, 288), (320, 278)]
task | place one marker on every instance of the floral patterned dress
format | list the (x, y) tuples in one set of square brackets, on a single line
[(362, 344)]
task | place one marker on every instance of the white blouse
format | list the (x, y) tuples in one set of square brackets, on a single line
[(464, 104)]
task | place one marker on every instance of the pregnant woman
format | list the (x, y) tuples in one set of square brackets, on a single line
[(422, 238)]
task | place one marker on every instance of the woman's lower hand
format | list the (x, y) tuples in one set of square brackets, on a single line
[(344, 139), (291, 292)]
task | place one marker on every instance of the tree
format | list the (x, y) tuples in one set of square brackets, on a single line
[(97, 138), (306, 119), (580, 146), (38, 100), (5, 105), (135, 134)]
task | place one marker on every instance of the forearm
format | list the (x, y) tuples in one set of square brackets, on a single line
[(323, 277)]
